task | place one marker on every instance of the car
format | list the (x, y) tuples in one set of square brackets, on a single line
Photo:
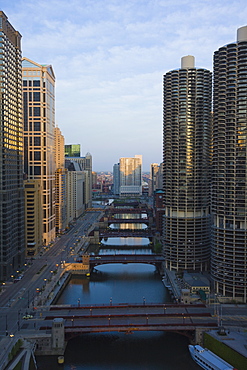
[(27, 317)]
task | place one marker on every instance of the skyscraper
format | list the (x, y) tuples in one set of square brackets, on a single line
[(85, 166), (39, 138), (116, 178), (12, 230), (60, 183), (186, 177), (130, 179), (229, 191)]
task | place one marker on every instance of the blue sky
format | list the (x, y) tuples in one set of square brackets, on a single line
[(109, 57)]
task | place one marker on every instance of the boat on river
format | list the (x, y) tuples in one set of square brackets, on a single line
[(207, 359)]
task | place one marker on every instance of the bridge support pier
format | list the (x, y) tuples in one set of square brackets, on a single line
[(199, 335), (58, 343), (94, 239)]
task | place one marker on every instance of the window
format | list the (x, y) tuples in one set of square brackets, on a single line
[(37, 141), (37, 156), (36, 126), (37, 170), (24, 82), (36, 111), (36, 83), (36, 96)]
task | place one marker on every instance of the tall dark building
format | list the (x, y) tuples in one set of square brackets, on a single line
[(186, 159), (229, 182), (12, 228)]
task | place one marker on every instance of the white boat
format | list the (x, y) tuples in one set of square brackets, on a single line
[(207, 359)]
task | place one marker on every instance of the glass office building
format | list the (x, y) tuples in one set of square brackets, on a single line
[(12, 230)]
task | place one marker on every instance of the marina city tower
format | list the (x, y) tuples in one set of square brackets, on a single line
[(186, 157), (229, 177)]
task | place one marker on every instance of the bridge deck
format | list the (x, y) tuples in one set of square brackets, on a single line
[(127, 317), (155, 259)]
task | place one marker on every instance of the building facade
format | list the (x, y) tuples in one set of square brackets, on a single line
[(39, 139), (75, 190), (60, 183), (186, 166), (85, 166), (116, 178), (229, 173), (130, 177), (72, 150), (33, 217), (154, 169), (12, 230)]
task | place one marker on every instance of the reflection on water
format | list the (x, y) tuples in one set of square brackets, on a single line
[(121, 283), (125, 241), (136, 351)]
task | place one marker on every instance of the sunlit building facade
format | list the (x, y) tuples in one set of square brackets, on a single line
[(33, 217), (130, 176), (72, 150), (85, 166), (12, 230), (186, 167), (39, 138), (229, 191), (60, 182)]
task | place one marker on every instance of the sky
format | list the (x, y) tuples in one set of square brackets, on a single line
[(109, 58)]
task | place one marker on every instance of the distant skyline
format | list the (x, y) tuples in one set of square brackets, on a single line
[(109, 57)]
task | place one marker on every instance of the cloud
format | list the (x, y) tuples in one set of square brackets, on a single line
[(109, 57)]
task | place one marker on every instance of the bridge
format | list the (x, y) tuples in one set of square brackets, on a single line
[(109, 233), (113, 210), (183, 319), (113, 220), (153, 259)]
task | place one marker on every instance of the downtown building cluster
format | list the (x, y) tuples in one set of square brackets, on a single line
[(205, 168), (41, 193)]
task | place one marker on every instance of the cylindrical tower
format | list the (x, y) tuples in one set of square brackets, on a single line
[(186, 157), (229, 177)]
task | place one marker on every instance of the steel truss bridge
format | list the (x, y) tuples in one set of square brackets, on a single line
[(152, 259), (128, 318)]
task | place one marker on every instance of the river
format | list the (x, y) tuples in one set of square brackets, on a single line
[(121, 283)]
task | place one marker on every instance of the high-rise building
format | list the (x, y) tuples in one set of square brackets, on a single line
[(152, 185), (130, 179), (60, 182), (229, 173), (116, 178), (72, 150), (39, 139), (12, 230), (75, 189), (85, 166), (186, 176)]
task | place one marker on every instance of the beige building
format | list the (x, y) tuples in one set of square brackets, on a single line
[(130, 176), (85, 166), (39, 141), (75, 183), (60, 182), (33, 216)]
